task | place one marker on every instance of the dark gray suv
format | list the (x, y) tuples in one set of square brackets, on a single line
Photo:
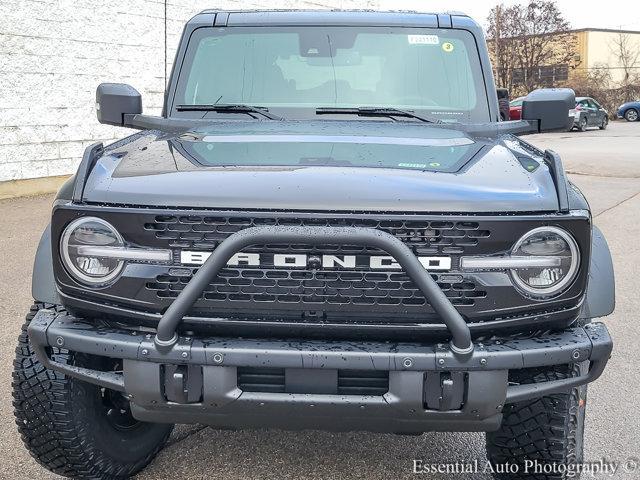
[(329, 227)]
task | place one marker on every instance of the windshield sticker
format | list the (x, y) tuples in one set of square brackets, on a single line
[(423, 40), (447, 47), (412, 165)]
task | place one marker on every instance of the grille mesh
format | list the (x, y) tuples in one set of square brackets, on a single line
[(309, 290), (425, 237), (319, 287)]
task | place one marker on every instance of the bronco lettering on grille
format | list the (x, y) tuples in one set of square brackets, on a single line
[(301, 260)]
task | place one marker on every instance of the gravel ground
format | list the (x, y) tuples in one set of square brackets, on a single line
[(606, 165)]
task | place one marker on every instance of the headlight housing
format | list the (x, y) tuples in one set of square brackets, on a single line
[(89, 269), (562, 256)]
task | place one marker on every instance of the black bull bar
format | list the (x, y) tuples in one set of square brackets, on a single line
[(167, 337)]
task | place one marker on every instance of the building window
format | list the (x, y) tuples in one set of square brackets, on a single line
[(547, 75)]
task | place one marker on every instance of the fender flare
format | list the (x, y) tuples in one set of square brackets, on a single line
[(43, 283), (600, 299)]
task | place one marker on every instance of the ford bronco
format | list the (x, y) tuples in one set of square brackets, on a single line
[(328, 227)]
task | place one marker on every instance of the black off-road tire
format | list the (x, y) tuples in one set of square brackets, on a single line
[(64, 422), (547, 430)]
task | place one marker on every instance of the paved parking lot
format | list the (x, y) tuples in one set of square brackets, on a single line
[(605, 164)]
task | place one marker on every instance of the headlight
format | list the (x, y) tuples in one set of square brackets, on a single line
[(91, 269), (560, 266)]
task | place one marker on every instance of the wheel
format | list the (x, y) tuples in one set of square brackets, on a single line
[(631, 115), (73, 428), (582, 126), (605, 122), (548, 431)]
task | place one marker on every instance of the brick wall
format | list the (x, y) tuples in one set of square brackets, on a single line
[(53, 54)]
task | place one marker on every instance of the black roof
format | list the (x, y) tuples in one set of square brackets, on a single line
[(337, 17)]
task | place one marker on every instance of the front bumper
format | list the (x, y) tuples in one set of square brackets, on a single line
[(429, 386)]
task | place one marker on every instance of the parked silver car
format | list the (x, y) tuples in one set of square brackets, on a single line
[(589, 113)]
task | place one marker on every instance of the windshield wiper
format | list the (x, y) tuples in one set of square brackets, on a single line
[(229, 108), (374, 112)]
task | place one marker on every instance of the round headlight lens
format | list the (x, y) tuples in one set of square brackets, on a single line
[(561, 251), (91, 270)]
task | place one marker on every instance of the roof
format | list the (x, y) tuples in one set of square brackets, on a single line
[(579, 30), (606, 30), (339, 17), (337, 10)]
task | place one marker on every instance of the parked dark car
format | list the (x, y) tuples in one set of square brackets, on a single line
[(333, 231), (589, 113), (515, 108), (630, 111)]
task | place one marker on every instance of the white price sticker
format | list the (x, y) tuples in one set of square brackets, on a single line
[(423, 39)]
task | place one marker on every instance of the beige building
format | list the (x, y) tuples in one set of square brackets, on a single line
[(615, 51), (600, 48)]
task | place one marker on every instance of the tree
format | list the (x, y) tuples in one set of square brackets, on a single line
[(628, 57), (499, 50), (531, 46)]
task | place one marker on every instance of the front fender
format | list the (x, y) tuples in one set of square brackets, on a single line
[(43, 284), (600, 300)]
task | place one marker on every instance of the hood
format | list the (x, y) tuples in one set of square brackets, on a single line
[(324, 166)]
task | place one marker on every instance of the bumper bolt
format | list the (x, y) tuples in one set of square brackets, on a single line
[(407, 363), (217, 358), (441, 361), (60, 341), (145, 351), (576, 354), (483, 362), (185, 355)]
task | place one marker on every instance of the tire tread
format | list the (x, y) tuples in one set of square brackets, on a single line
[(542, 429), (55, 434)]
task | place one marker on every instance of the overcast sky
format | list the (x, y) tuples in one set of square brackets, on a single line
[(581, 13)]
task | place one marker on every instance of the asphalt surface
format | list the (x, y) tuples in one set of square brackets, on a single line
[(604, 164)]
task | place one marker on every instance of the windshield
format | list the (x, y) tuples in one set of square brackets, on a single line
[(292, 71)]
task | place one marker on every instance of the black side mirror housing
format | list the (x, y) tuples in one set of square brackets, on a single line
[(549, 108), (114, 101)]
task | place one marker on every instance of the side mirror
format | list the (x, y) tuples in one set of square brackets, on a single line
[(549, 108), (114, 100)]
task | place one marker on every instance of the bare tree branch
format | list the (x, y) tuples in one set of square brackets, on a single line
[(629, 59), (525, 39)]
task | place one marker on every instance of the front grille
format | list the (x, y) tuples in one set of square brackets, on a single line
[(311, 293), (424, 237), (349, 302), (349, 382)]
